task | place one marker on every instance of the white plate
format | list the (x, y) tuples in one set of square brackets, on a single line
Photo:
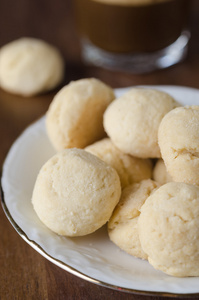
[(92, 257)]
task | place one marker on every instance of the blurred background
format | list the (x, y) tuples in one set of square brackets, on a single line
[(54, 22)]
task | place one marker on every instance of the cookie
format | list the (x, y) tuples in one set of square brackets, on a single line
[(179, 143), (130, 169), (75, 116), (123, 225), (132, 121), (168, 229), (30, 66), (75, 193), (160, 173)]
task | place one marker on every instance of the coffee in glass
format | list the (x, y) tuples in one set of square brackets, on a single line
[(134, 35)]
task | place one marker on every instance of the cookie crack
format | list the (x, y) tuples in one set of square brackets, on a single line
[(192, 153)]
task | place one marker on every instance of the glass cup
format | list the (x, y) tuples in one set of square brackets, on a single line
[(133, 35)]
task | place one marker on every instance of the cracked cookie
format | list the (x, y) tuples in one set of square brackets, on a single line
[(168, 229), (123, 225), (178, 139), (132, 121), (75, 193), (130, 169), (75, 116)]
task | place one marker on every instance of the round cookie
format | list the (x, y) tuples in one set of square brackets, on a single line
[(132, 121), (179, 143), (168, 229), (123, 225), (75, 116), (75, 193), (30, 66), (160, 173), (130, 169)]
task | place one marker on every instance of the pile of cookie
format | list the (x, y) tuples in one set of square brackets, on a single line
[(130, 162)]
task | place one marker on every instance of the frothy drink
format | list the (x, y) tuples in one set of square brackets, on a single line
[(131, 26)]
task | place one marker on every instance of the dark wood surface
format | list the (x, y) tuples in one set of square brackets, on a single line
[(24, 273)]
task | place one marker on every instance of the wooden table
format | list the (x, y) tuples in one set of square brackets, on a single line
[(24, 273)]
